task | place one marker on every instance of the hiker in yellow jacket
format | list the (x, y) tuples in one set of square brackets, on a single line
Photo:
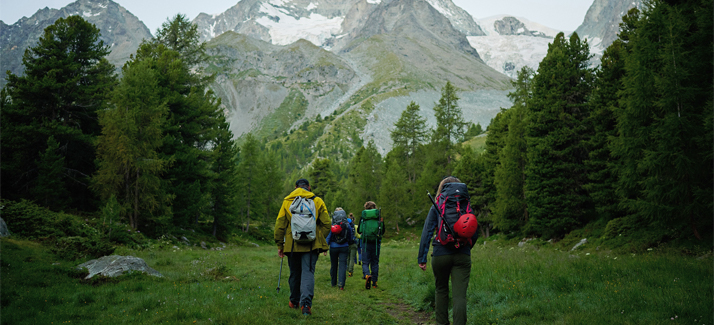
[(302, 255)]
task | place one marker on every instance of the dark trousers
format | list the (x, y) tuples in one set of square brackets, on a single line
[(352, 260), (338, 264), (302, 277), (458, 267), (370, 260)]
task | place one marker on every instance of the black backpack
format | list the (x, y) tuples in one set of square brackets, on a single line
[(452, 203), (340, 218)]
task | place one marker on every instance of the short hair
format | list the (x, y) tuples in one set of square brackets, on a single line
[(302, 183), (370, 205), (339, 209)]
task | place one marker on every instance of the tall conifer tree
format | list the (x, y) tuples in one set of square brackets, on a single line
[(665, 124), (67, 79), (555, 173), (510, 209)]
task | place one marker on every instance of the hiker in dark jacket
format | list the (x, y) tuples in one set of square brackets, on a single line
[(302, 257), (339, 251), (445, 262), (370, 254), (354, 247)]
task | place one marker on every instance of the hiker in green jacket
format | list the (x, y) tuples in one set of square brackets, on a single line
[(371, 229), (302, 246)]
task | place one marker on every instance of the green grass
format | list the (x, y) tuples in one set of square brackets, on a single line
[(537, 284)]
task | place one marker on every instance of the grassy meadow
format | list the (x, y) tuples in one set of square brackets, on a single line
[(535, 284)]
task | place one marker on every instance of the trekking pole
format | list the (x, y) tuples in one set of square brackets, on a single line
[(281, 267), (448, 227)]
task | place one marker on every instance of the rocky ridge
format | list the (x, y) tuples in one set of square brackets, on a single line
[(602, 22), (120, 30)]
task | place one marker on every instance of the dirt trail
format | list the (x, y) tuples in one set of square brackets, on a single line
[(402, 311)]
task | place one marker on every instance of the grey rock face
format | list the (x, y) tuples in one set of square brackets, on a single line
[(510, 26), (3, 229), (602, 21), (459, 18), (120, 30), (116, 265)]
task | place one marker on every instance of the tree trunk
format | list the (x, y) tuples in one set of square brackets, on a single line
[(247, 222), (136, 201), (128, 197)]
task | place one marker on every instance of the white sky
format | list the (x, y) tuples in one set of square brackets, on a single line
[(559, 14)]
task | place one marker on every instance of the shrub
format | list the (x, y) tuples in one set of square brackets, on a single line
[(76, 247)]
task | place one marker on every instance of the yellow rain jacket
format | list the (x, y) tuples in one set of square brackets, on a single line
[(283, 229)]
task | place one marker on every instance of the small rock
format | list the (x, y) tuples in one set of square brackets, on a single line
[(185, 240), (176, 247), (582, 241), (256, 245), (203, 245), (3, 229)]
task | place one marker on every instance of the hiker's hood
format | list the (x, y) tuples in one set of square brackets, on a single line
[(299, 192)]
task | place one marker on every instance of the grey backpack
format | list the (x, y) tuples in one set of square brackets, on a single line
[(303, 223)]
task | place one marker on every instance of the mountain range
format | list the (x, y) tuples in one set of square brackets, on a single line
[(280, 63)]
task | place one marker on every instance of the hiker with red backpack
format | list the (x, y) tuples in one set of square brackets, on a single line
[(339, 239), (455, 226), (300, 230), (371, 229)]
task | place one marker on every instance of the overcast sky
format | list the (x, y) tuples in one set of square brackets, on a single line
[(564, 15)]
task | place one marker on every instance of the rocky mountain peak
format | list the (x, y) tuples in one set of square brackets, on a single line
[(602, 22), (120, 30)]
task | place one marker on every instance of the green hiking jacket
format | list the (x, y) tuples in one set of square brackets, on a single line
[(283, 230)]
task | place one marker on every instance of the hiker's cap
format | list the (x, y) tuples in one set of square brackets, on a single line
[(302, 182)]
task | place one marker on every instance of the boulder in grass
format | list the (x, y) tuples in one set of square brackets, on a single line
[(116, 265), (582, 242), (3, 229)]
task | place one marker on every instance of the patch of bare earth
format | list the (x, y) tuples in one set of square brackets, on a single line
[(406, 314)]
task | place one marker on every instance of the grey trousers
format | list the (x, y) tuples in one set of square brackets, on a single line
[(458, 267), (302, 277)]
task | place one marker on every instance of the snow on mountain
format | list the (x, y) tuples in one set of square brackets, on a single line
[(459, 18), (602, 23), (512, 43), (285, 29), (488, 25)]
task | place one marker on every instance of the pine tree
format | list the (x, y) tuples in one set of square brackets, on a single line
[(449, 120), (510, 210), (556, 199), (394, 193), (470, 170), (66, 81), (129, 164), (408, 136), (49, 189), (322, 179), (664, 130), (248, 171), (489, 162), (364, 181), (193, 121), (225, 188)]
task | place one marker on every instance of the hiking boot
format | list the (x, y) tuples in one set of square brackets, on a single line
[(306, 310), (368, 284), (293, 306), (374, 285), (349, 274), (342, 288)]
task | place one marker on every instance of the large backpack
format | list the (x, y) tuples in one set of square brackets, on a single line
[(340, 218), (370, 226), (452, 203), (303, 223)]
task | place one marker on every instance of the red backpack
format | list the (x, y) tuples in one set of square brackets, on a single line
[(457, 223)]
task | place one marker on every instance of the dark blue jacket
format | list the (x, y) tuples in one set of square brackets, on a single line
[(350, 240)]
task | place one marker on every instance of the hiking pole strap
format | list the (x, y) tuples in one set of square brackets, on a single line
[(438, 212)]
